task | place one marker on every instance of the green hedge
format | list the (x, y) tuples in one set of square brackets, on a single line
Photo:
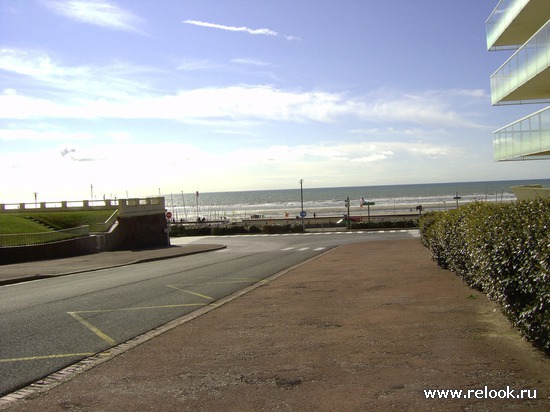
[(390, 224), (207, 230), (502, 250)]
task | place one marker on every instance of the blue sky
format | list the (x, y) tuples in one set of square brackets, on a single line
[(133, 96)]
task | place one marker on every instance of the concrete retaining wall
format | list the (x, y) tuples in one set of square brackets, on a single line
[(46, 251), (138, 232)]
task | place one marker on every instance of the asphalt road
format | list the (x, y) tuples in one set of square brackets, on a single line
[(51, 323)]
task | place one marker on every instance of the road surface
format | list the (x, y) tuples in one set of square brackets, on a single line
[(51, 323)]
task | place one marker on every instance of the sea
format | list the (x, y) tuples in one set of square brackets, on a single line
[(330, 201)]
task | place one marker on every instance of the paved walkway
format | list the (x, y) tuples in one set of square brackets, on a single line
[(367, 326)]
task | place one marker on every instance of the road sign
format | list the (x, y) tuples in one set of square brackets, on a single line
[(303, 213), (168, 215)]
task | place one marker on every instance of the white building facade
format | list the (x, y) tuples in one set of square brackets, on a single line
[(524, 26)]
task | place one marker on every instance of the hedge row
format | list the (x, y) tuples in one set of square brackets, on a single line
[(391, 224), (502, 250), (207, 230)]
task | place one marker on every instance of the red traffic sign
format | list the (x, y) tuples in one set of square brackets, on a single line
[(168, 215)]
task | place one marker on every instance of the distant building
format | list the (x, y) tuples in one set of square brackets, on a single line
[(522, 25)]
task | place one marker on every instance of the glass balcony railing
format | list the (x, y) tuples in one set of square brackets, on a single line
[(524, 65), (500, 19), (528, 137)]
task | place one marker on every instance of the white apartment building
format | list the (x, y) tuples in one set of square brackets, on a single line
[(524, 26)]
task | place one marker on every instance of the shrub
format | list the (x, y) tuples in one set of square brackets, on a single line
[(196, 230), (502, 250), (288, 228), (390, 224), (254, 229), (228, 230)]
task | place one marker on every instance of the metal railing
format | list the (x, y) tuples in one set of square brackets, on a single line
[(29, 239)]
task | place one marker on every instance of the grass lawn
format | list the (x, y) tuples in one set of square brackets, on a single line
[(11, 223), (17, 222), (67, 220)]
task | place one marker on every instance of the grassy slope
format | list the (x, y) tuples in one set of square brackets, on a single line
[(66, 220), (16, 222)]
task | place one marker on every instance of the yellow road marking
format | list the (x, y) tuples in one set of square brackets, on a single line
[(227, 281), (95, 330), (234, 280), (106, 337), (138, 308), (62, 355), (192, 293)]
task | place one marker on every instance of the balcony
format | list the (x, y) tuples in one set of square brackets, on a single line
[(513, 22), (525, 77), (528, 138)]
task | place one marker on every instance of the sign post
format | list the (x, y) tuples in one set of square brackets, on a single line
[(348, 216), (368, 204)]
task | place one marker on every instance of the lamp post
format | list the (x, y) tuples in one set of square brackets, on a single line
[(302, 213), (457, 198)]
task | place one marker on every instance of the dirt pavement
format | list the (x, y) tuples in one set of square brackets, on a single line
[(368, 326)]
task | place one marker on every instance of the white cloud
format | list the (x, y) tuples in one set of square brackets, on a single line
[(71, 84), (249, 61), (40, 135), (100, 13), (373, 157), (265, 32), (420, 109), (234, 103), (38, 65), (195, 64), (433, 152), (119, 137), (146, 166), (122, 91), (477, 93), (262, 32)]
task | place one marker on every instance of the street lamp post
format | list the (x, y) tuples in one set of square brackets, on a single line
[(457, 198), (302, 214)]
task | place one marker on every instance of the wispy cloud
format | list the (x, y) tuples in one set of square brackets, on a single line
[(127, 92), (99, 13), (196, 64), (262, 31), (235, 103), (248, 61), (41, 135), (76, 82)]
